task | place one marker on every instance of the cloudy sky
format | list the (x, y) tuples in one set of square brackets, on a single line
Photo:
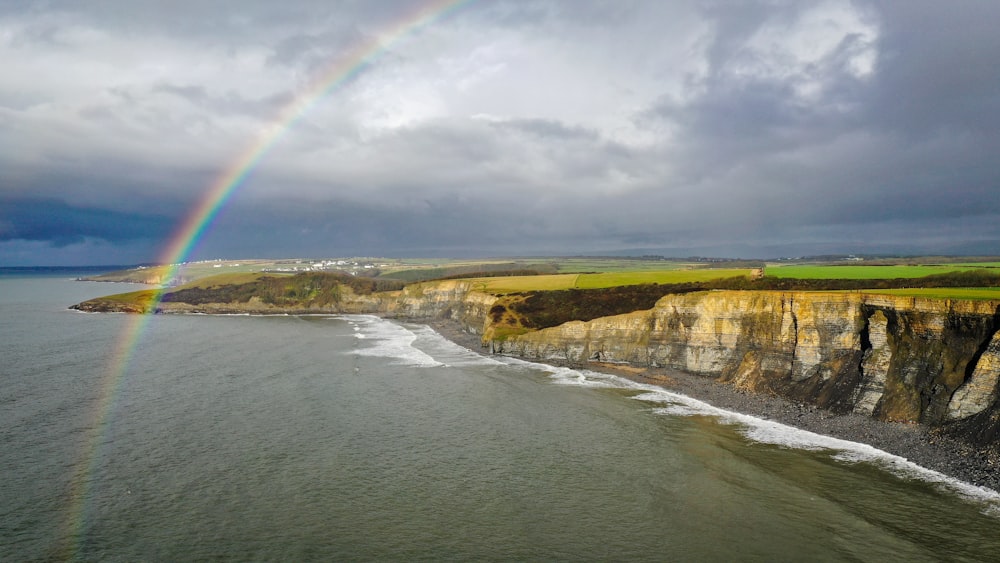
[(755, 129)]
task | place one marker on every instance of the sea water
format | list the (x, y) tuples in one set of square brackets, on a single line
[(357, 438)]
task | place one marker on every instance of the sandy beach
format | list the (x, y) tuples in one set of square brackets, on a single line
[(917, 443)]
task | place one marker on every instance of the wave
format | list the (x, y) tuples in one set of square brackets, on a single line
[(447, 351), (388, 340), (400, 342), (770, 432), (776, 433)]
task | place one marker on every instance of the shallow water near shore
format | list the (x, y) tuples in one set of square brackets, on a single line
[(356, 438)]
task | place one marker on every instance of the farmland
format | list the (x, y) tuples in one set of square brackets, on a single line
[(512, 275), (603, 280), (865, 272), (972, 293), (613, 279)]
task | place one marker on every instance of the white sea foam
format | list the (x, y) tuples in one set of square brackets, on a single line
[(771, 432), (389, 340), (397, 341), (446, 351), (354, 325), (569, 376), (226, 314)]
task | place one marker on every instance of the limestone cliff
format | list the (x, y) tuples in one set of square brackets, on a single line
[(894, 358), (931, 361)]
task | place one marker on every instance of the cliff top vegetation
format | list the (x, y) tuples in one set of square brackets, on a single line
[(599, 280), (873, 272), (519, 312)]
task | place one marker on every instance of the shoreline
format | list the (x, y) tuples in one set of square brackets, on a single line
[(979, 466)]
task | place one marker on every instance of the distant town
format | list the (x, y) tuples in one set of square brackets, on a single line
[(351, 267)]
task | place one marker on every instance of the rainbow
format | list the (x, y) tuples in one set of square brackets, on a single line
[(193, 229)]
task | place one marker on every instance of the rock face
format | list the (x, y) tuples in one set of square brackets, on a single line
[(935, 362), (875, 365), (894, 358), (979, 391)]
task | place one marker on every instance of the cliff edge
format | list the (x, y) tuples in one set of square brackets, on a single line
[(929, 361), (936, 362)]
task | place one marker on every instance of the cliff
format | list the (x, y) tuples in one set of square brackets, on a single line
[(935, 362)]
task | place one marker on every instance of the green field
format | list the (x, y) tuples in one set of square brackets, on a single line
[(194, 270), (502, 285), (602, 280), (189, 271), (607, 272), (219, 280), (415, 269), (857, 272), (583, 265), (973, 293), (526, 283), (411, 269), (978, 264), (613, 279)]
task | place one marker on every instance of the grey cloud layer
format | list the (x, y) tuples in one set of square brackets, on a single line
[(509, 127)]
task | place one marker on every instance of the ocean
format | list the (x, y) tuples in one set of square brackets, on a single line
[(353, 438)]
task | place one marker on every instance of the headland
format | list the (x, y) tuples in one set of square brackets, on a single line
[(912, 374)]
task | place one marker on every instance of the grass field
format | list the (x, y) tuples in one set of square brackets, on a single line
[(526, 283), (143, 297), (974, 293), (613, 279), (978, 264), (608, 272), (190, 271), (562, 265), (503, 285), (218, 280), (856, 272), (581, 265), (197, 270), (603, 280)]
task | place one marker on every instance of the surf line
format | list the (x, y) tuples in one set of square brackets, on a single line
[(194, 228)]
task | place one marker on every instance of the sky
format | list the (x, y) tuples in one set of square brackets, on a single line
[(755, 129)]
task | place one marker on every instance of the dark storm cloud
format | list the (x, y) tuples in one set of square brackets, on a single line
[(425, 228), (61, 224), (508, 127), (902, 142), (939, 70)]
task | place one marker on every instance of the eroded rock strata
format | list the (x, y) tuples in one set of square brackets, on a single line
[(894, 358), (936, 362)]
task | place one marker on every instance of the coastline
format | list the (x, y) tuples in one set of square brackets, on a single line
[(929, 449)]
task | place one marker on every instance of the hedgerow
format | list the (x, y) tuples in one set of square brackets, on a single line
[(305, 289)]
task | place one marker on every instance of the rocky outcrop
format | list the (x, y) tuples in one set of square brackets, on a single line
[(451, 299), (979, 392), (875, 365), (894, 358)]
